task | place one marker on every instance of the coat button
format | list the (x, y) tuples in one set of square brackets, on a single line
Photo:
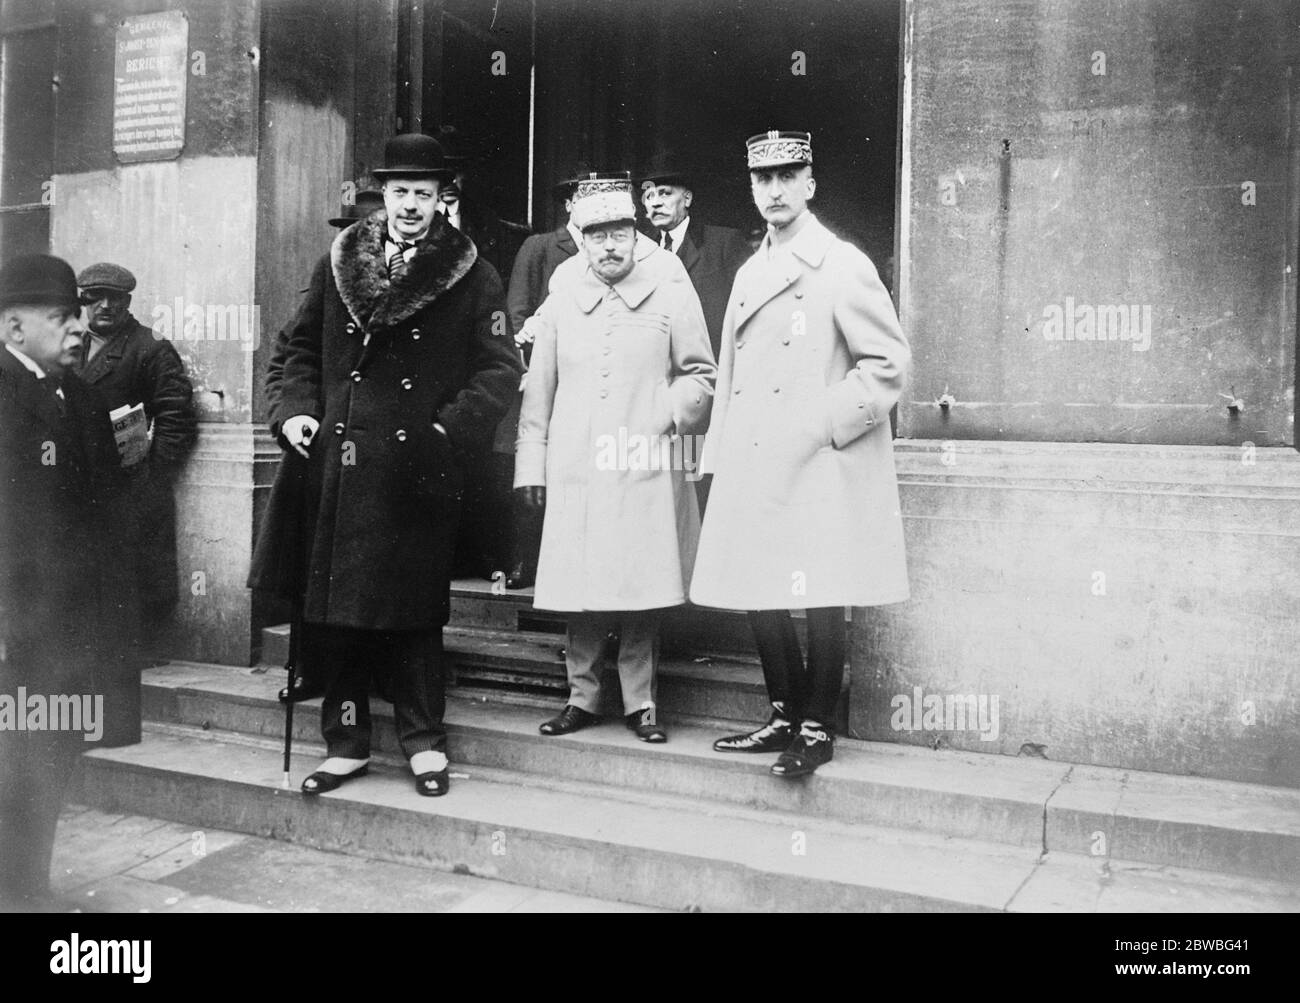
[(352, 328), (785, 341), (604, 372), (415, 335), (798, 294), (741, 303), (739, 345), (339, 429), (356, 376), (607, 350), (861, 405), (776, 390), (736, 391), (400, 435), (407, 384), (604, 393), (415, 332)]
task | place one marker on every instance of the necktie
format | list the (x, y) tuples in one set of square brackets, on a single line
[(397, 262), (668, 241)]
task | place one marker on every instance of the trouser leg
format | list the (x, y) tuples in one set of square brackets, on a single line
[(35, 770), (825, 664), (347, 657), (778, 649), (419, 690), (638, 658), (588, 635)]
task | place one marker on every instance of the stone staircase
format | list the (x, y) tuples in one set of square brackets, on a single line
[(883, 827)]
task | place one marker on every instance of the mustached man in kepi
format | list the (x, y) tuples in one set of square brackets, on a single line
[(397, 367), (804, 511), (59, 482)]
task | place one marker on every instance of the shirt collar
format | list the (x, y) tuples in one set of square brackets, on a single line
[(810, 242), (574, 232), (29, 363), (677, 233)]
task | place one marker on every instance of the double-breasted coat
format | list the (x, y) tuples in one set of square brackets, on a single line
[(804, 508), (619, 384), (137, 367), (377, 364)]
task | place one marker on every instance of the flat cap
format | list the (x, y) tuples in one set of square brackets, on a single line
[(106, 275)]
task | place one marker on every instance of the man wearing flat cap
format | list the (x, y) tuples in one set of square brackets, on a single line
[(58, 479), (712, 254), (621, 376), (804, 509), (397, 368), (129, 364)]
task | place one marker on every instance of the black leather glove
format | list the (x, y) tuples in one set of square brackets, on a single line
[(532, 497)]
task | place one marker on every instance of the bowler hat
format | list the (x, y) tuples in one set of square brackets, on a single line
[(106, 275), (363, 204), (665, 168), (38, 279), (413, 154), (581, 170)]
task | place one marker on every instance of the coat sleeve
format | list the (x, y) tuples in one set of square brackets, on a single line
[(694, 370), (525, 282), (539, 399), (865, 318), (170, 404), (300, 378), (493, 368)]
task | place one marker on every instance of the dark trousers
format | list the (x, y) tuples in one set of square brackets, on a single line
[(809, 692), (35, 770), (412, 663)]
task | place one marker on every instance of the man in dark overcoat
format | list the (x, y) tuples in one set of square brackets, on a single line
[(58, 484), (397, 368), (129, 364)]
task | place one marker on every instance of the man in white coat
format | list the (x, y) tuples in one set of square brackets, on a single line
[(620, 381), (804, 510)]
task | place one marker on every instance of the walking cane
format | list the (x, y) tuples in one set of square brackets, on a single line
[(291, 667)]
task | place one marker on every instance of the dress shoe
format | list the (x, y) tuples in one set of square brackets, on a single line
[(643, 723), (303, 689), (811, 748), (433, 785), (521, 576), (775, 736), (322, 782), (570, 719)]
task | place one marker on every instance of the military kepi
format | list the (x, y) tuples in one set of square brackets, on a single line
[(106, 275), (603, 198), (38, 280), (778, 149)]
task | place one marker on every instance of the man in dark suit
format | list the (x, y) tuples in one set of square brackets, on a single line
[(535, 263), (395, 358), (712, 254), (58, 481), (128, 364)]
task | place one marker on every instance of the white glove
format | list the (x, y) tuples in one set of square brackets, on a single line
[(525, 335), (299, 430)]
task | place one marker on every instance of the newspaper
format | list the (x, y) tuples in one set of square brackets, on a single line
[(131, 430)]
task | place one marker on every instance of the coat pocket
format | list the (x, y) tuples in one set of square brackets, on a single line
[(433, 472)]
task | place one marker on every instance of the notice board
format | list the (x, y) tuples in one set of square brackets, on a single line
[(150, 68)]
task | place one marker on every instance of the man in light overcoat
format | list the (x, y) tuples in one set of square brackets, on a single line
[(804, 509), (620, 380)]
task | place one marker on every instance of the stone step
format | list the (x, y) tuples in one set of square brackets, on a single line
[(1026, 803), (647, 849), (532, 662)]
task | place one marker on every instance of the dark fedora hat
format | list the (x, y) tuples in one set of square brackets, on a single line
[(38, 279), (413, 154), (665, 168), (363, 204), (566, 188)]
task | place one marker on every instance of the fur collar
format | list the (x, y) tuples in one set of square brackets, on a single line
[(442, 259)]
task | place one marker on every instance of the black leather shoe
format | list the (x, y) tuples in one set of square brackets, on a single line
[(570, 719), (775, 736), (321, 782), (303, 689), (433, 785), (811, 748), (643, 723), (521, 576)]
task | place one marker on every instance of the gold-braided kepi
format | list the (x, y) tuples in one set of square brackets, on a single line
[(778, 149), (603, 198)]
